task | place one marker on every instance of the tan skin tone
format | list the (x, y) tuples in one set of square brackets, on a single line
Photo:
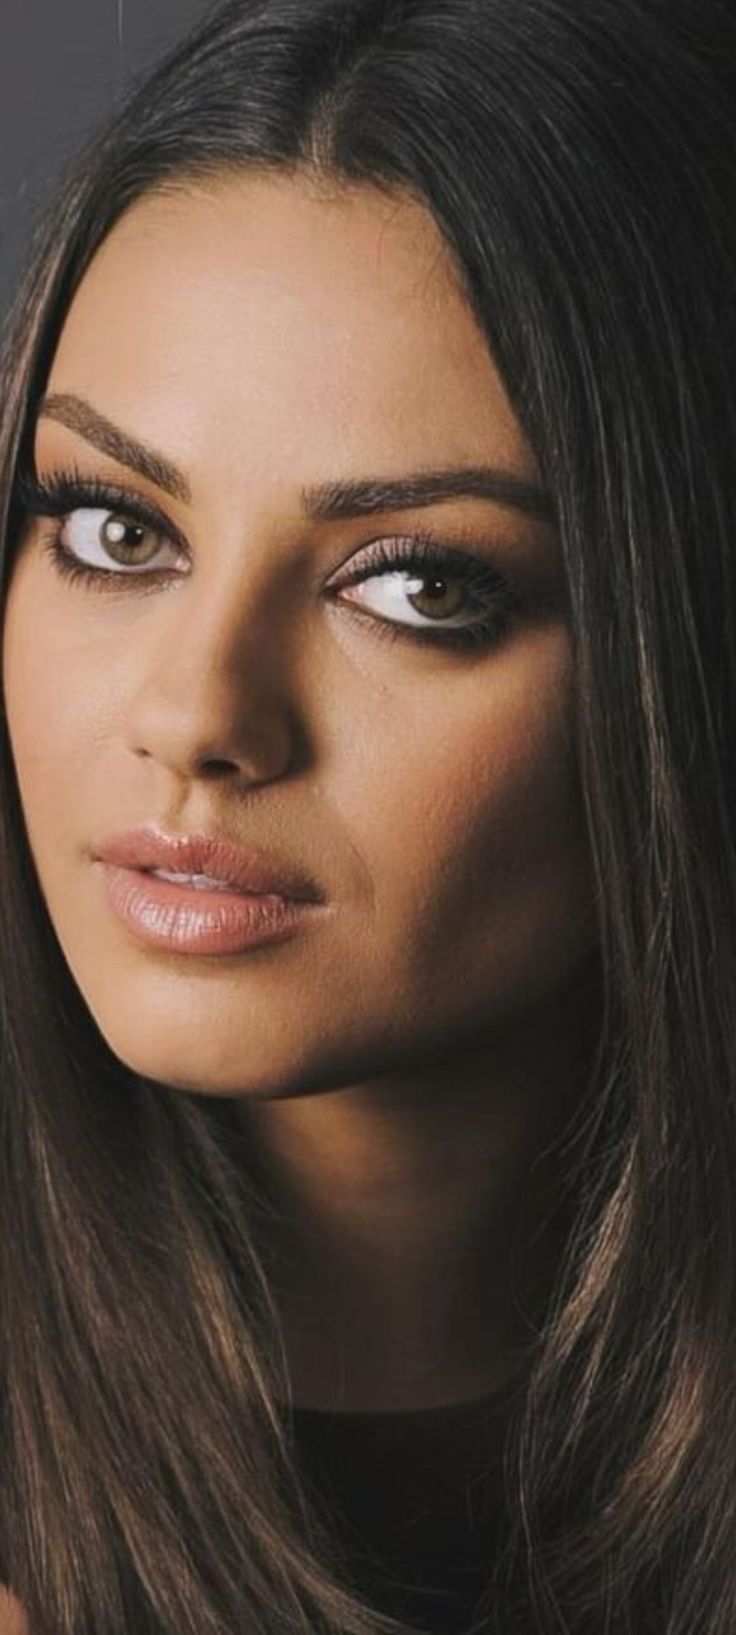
[(403, 1061)]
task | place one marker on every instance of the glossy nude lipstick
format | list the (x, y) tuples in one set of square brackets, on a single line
[(223, 899)]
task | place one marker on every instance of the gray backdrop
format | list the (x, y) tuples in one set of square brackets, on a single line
[(61, 64)]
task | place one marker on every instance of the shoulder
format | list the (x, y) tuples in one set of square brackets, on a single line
[(13, 1620)]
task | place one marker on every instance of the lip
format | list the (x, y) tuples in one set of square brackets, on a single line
[(192, 920), (249, 871)]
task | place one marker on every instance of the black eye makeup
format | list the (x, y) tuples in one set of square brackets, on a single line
[(66, 492), (414, 586)]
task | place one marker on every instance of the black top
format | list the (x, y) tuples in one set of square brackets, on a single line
[(420, 1501)]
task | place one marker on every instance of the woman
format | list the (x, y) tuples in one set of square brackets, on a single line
[(368, 1185)]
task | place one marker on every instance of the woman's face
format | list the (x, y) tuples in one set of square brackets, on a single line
[(251, 666)]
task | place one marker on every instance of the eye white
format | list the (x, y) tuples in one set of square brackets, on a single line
[(391, 589), (87, 531), (386, 595)]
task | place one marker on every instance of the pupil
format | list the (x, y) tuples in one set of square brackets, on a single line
[(115, 531), (437, 590)]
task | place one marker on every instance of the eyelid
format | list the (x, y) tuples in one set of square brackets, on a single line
[(66, 489), (424, 548), (47, 497), (64, 493)]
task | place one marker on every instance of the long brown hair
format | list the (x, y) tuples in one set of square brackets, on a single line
[(581, 163)]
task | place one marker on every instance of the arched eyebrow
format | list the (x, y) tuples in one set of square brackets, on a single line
[(323, 502), (79, 416)]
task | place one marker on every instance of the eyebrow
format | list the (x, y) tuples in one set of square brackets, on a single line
[(323, 502)]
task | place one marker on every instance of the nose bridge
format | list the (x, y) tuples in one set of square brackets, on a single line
[(217, 680)]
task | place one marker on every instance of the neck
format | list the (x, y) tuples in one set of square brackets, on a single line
[(416, 1226)]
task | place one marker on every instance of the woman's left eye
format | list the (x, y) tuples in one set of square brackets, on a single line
[(418, 588), (413, 586)]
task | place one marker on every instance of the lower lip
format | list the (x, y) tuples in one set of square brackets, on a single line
[(187, 920)]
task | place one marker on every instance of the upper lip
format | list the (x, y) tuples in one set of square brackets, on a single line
[(249, 870)]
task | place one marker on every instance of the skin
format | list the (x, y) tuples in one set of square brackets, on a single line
[(403, 1062)]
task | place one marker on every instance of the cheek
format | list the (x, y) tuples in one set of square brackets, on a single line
[(48, 701), (30, 676), (475, 833)]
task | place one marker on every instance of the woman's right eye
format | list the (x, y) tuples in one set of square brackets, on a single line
[(109, 541), (101, 533)]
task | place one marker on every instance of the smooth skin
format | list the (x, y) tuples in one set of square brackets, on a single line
[(402, 1061)]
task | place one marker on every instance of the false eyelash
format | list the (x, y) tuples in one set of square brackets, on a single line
[(423, 554), (67, 490)]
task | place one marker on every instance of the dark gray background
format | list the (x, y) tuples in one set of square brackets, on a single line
[(62, 62)]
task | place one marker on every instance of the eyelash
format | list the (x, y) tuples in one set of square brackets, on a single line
[(67, 491)]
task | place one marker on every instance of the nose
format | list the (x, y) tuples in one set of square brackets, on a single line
[(213, 691)]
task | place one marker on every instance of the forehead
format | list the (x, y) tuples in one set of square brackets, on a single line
[(263, 312)]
